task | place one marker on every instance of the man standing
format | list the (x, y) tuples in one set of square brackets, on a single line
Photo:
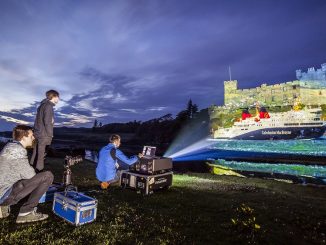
[(112, 159), (18, 178), (43, 128)]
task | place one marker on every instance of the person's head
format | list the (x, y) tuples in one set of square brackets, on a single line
[(53, 96), (115, 139), (23, 134)]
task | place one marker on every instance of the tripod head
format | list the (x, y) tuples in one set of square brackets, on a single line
[(69, 162)]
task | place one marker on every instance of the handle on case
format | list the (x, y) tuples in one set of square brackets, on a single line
[(64, 205), (71, 188)]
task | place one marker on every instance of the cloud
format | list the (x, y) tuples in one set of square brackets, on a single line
[(160, 108), (14, 120), (149, 57), (129, 110)]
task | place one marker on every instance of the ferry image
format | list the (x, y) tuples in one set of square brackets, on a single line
[(293, 124)]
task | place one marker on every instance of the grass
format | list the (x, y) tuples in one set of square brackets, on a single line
[(197, 209)]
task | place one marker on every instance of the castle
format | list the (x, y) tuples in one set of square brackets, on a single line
[(310, 88)]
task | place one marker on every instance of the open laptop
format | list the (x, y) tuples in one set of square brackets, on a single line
[(149, 151)]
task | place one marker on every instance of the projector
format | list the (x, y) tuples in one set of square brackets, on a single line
[(151, 164)]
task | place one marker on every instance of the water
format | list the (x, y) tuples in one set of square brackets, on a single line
[(264, 155), (91, 155), (4, 139), (280, 168), (298, 147)]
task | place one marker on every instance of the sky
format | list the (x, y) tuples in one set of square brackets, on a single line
[(125, 60)]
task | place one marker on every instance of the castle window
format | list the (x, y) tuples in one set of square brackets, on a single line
[(320, 93), (273, 98), (294, 86)]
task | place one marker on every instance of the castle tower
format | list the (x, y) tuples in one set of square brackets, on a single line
[(298, 74), (230, 90), (323, 67)]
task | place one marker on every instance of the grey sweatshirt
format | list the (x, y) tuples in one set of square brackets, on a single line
[(14, 166), (44, 121)]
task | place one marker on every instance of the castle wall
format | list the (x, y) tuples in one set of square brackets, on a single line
[(310, 89), (274, 95)]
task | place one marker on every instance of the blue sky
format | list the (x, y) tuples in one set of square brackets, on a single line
[(118, 61)]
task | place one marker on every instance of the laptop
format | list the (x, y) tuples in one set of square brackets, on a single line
[(149, 151)]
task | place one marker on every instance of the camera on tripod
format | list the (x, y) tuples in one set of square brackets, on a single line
[(66, 184), (69, 162)]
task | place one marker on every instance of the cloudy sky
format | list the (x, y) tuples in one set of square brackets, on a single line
[(135, 60)]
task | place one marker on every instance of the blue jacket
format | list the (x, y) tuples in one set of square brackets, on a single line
[(106, 169)]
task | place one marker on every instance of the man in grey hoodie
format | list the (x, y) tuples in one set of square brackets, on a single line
[(43, 128), (18, 179)]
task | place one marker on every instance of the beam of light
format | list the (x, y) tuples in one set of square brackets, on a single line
[(192, 138), (191, 149)]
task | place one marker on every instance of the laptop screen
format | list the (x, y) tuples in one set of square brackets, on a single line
[(149, 151)]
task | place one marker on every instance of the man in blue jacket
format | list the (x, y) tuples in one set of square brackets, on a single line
[(108, 162)]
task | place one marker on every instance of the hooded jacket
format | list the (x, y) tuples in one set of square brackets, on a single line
[(106, 166), (44, 121), (14, 166)]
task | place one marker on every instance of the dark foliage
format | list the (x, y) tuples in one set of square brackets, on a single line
[(162, 130)]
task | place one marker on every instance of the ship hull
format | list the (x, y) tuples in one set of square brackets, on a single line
[(281, 133)]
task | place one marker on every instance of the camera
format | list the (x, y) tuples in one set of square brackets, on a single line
[(71, 161), (67, 174)]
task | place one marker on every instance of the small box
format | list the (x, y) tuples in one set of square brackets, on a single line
[(49, 194), (145, 184), (75, 207), (152, 165)]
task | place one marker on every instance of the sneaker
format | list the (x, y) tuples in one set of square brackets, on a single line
[(4, 211), (31, 217), (104, 185)]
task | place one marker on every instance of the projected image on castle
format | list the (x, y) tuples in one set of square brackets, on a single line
[(290, 110)]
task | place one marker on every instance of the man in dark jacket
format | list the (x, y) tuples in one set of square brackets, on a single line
[(43, 128)]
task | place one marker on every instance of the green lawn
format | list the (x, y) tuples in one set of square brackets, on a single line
[(197, 209)]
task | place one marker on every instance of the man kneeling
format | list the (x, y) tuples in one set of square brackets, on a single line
[(18, 179), (110, 160)]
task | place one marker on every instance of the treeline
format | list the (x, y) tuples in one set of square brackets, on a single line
[(161, 130)]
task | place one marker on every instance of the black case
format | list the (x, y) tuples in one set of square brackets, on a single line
[(146, 184), (152, 165)]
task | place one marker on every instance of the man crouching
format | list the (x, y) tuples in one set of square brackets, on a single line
[(111, 161), (18, 179)]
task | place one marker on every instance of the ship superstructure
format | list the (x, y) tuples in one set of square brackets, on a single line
[(301, 124)]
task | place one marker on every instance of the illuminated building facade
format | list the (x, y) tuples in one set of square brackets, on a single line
[(310, 88)]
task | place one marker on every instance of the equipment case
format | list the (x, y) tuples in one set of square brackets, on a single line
[(74, 207), (49, 194), (145, 184)]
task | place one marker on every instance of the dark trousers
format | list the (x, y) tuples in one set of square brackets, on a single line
[(34, 187), (39, 153)]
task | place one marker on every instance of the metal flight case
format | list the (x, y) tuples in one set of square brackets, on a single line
[(145, 184), (75, 207)]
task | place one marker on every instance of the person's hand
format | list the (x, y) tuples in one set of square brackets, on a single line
[(140, 155)]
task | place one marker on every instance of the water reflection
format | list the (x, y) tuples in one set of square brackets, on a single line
[(91, 155)]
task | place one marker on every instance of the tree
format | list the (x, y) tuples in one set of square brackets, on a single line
[(189, 109), (194, 110), (95, 123)]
